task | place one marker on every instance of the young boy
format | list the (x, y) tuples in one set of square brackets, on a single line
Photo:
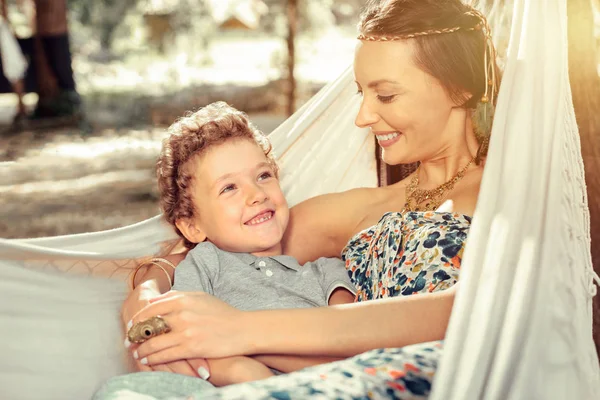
[(219, 188)]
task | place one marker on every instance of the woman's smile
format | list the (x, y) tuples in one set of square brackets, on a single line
[(387, 139)]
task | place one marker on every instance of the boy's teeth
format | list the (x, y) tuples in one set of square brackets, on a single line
[(388, 136), (258, 220)]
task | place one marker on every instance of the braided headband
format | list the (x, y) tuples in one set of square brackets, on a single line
[(489, 57)]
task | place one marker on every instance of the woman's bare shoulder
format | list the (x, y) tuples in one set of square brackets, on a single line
[(339, 204), (320, 226)]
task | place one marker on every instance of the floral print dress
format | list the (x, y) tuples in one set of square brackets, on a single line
[(409, 253), (404, 254)]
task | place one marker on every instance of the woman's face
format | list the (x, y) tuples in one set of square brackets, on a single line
[(407, 109)]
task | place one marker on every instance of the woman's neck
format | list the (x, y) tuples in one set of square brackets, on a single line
[(442, 168), (437, 172)]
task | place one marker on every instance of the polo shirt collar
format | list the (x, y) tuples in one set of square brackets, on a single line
[(287, 261)]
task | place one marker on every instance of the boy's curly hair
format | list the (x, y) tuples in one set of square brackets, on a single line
[(190, 137)]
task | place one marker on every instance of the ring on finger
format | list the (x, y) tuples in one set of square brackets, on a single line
[(147, 329)]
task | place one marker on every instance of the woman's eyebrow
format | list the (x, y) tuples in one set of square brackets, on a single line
[(378, 82)]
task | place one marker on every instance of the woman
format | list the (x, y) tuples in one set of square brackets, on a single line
[(427, 75)]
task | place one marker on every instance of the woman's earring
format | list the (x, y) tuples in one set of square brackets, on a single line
[(483, 116)]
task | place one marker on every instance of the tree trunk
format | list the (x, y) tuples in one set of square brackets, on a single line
[(292, 16), (50, 19), (585, 85)]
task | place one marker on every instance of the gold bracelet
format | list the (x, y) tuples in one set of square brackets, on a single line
[(150, 263), (163, 260)]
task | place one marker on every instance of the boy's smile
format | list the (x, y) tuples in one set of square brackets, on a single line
[(262, 217)]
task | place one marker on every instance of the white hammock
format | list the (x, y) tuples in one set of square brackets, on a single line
[(521, 326)]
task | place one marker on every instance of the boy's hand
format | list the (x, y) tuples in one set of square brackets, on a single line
[(137, 300), (195, 367)]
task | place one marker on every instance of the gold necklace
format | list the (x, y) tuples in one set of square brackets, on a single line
[(433, 197)]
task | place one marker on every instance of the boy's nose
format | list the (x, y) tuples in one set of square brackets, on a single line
[(257, 196)]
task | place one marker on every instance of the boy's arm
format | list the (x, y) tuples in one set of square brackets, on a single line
[(291, 363), (335, 281), (232, 370), (152, 272), (341, 295)]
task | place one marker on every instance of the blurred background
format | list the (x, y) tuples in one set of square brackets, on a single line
[(78, 155), (101, 79)]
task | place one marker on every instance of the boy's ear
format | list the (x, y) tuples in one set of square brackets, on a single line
[(191, 230)]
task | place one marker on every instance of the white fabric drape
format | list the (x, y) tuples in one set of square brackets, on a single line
[(521, 325)]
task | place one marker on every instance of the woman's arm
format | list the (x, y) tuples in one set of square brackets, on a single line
[(203, 326), (291, 363), (350, 329), (321, 226)]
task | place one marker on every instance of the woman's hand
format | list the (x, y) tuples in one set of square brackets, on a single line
[(201, 326), (135, 302)]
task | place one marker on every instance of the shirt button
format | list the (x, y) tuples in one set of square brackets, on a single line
[(262, 263), (269, 272)]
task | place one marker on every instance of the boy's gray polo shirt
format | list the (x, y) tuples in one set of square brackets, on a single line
[(248, 282)]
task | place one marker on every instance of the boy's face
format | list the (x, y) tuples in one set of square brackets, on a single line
[(240, 206)]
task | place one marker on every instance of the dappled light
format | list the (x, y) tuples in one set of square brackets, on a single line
[(138, 67)]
